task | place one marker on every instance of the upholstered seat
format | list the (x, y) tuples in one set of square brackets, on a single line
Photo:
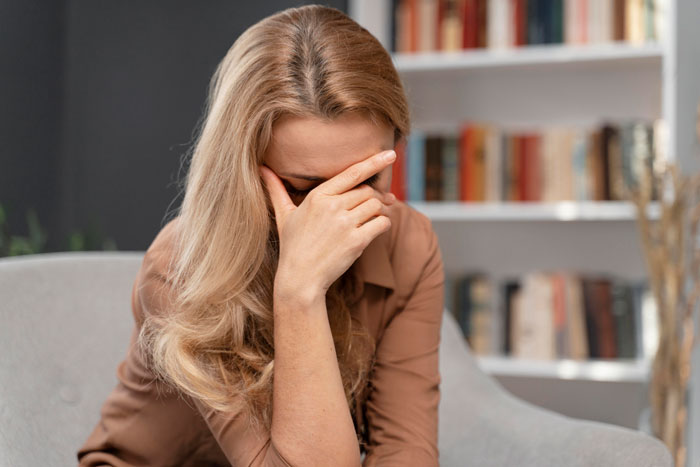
[(65, 325)]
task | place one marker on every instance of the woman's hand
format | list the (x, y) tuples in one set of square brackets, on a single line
[(329, 230)]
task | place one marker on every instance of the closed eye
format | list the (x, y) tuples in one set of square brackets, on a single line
[(371, 181)]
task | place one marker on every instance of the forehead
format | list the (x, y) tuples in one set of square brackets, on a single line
[(311, 146)]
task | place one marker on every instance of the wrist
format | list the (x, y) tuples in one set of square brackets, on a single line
[(293, 289)]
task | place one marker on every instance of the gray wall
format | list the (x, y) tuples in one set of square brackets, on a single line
[(31, 89), (104, 96)]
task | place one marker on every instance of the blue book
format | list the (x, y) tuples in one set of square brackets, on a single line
[(415, 167), (579, 163)]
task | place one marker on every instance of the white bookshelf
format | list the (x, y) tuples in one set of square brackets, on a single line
[(557, 84), (541, 56), (632, 371), (455, 211)]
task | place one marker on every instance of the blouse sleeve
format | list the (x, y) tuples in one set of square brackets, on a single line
[(402, 409), (241, 444), (140, 426)]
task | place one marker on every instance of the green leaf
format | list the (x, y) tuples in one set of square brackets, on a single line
[(20, 246), (76, 242), (37, 235)]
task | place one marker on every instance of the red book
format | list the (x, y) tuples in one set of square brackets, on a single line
[(398, 172), (481, 23), (438, 30), (470, 24), (603, 318), (532, 173), (520, 151), (519, 8), (413, 24)]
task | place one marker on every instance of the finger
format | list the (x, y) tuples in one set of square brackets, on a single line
[(357, 173), (281, 202), (354, 197), (374, 227), (368, 209)]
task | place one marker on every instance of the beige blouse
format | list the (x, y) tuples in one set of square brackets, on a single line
[(402, 283)]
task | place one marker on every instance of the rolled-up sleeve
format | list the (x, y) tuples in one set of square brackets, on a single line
[(402, 408)]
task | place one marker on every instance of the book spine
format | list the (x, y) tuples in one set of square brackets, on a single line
[(416, 166), (450, 161), (398, 172), (433, 168)]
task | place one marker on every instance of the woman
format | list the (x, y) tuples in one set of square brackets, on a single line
[(290, 314)]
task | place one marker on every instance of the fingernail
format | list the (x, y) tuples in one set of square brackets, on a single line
[(389, 156)]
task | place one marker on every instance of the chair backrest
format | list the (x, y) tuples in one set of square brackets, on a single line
[(66, 322)]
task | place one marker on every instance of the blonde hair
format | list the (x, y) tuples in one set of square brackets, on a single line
[(218, 346)]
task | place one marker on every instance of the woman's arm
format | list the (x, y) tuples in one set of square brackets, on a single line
[(311, 422), (402, 410), (319, 241)]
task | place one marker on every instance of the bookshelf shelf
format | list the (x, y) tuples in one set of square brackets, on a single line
[(631, 371), (542, 56), (531, 211)]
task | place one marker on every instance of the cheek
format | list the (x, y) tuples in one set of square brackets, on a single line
[(384, 183)]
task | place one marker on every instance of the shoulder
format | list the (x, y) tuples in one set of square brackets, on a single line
[(413, 247)]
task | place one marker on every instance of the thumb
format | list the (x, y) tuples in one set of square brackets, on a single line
[(281, 201)]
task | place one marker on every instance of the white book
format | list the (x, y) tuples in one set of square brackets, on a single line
[(498, 26), (607, 17), (593, 22), (660, 18), (427, 26), (650, 324), (535, 319), (571, 33)]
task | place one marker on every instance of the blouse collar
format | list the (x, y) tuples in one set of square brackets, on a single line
[(374, 265)]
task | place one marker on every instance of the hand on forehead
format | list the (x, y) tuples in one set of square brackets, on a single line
[(305, 151)]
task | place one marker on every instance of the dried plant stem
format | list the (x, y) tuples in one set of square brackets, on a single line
[(665, 246)]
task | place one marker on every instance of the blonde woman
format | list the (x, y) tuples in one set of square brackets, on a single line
[(290, 314)]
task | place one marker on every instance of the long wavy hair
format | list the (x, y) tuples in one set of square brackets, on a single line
[(218, 347)]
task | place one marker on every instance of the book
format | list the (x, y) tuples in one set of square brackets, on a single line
[(600, 321), (533, 323), (576, 318), (623, 314), (482, 162), (415, 163), (450, 168), (433, 168), (556, 315), (398, 172), (445, 25)]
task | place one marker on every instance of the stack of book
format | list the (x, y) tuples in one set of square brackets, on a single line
[(555, 315), (450, 25), (486, 163)]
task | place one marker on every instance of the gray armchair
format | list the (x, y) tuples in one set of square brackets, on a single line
[(65, 325)]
